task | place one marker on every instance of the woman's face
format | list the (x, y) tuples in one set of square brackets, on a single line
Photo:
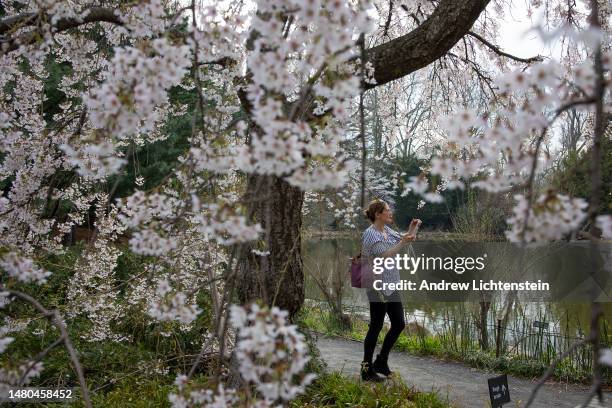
[(386, 216)]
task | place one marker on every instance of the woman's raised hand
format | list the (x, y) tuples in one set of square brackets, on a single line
[(414, 226), (412, 230)]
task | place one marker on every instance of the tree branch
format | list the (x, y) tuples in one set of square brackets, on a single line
[(500, 52), (397, 58), (93, 15)]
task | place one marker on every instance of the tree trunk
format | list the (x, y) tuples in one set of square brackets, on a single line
[(483, 326), (276, 279)]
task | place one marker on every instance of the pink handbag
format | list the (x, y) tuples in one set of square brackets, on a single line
[(361, 272)]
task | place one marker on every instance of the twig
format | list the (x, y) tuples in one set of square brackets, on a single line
[(388, 22), (499, 51), (551, 369), (55, 318), (38, 358)]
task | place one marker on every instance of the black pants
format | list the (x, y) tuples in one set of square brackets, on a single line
[(379, 306)]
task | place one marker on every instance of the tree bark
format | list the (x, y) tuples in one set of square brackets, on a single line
[(483, 325), (277, 279)]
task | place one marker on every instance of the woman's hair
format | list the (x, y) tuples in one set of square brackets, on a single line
[(375, 207)]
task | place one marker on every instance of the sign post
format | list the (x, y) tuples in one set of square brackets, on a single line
[(498, 391)]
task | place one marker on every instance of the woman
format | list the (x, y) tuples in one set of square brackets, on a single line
[(379, 240)]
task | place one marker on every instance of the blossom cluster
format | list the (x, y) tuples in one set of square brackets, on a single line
[(320, 42), (23, 269), (604, 222), (173, 306), (550, 217), (10, 377), (187, 397), (94, 161), (271, 354), (136, 84)]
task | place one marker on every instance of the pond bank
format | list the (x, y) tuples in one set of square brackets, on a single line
[(356, 234)]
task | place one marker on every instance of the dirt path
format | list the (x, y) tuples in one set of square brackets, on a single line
[(464, 386)]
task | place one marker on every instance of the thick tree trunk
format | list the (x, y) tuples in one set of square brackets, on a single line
[(277, 279)]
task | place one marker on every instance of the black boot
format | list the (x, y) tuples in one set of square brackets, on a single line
[(380, 366), (368, 373)]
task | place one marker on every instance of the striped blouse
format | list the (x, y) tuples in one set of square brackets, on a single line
[(374, 244)]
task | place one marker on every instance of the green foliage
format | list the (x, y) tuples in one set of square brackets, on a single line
[(147, 357), (434, 216), (336, 390), (572, 175), (53, 95), (157, 160), (136, 393), (319, 320), (133, 392), (428, 345)]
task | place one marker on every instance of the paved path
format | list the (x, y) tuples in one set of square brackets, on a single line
[(463, 386)]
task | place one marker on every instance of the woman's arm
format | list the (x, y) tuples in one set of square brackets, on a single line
[(399, 246)]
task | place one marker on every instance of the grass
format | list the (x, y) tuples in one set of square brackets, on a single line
[(336, 390)]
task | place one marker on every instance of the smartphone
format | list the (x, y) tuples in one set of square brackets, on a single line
[(414, 226)]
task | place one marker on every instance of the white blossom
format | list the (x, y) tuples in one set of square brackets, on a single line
[(4, 342), (23, 269), (604, 222), (272, 353), (549, 218), (605, 357)]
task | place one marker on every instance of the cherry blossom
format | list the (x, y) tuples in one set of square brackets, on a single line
[(272, 353), (549, 218), (605, 223), (96, 161), (23, 269), (605, 357), (4, 342)]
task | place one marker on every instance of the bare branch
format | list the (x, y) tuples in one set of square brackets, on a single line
[(388, 22), (502, 53), (55, 318)]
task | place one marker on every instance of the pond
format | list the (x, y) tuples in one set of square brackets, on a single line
[(326, 260)]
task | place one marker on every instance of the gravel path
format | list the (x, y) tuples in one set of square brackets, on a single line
[(463, 386)]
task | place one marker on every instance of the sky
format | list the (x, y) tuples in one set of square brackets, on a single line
[(515, 35)]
